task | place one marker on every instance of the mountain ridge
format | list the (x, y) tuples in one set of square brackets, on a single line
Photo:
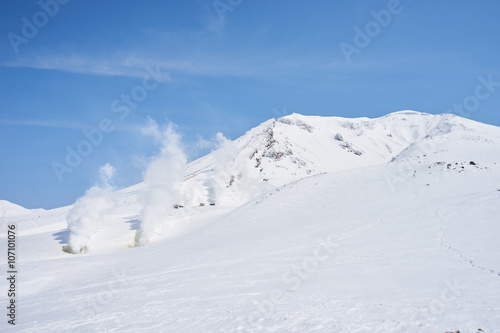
[(295, 146)]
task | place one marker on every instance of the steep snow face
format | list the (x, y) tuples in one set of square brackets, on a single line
[(293, 147)]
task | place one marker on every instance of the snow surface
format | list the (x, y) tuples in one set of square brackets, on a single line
[(11, 209), (325, 224)]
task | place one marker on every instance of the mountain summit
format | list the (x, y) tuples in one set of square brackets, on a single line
[(282, 150)]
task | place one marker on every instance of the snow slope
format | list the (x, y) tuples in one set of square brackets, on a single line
[(393, 229), (8, 209)]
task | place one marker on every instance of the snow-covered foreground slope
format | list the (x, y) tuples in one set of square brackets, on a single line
[(406, 243), (338, 252)]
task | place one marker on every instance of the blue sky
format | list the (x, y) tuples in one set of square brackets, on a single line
[(225, 66)]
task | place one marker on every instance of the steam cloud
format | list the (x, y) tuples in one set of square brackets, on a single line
[(223, 169), (163, 179), (89, 211), (233, 179)]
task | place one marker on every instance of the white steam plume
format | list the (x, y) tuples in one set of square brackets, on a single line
[(89, 211), (223, 174), (163, 179), (233, 180)]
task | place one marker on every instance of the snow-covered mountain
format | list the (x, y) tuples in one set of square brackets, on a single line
[(320, 224), (293, 147), (11, 209)]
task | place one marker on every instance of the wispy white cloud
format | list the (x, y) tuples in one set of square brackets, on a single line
[(151, 129), (62, 124), (246, 64), (81, 65), (44, 123)]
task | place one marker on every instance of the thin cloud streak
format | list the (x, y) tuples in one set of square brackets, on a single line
[(61, 124), (258, 65), (79, 65), (44, 123)]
